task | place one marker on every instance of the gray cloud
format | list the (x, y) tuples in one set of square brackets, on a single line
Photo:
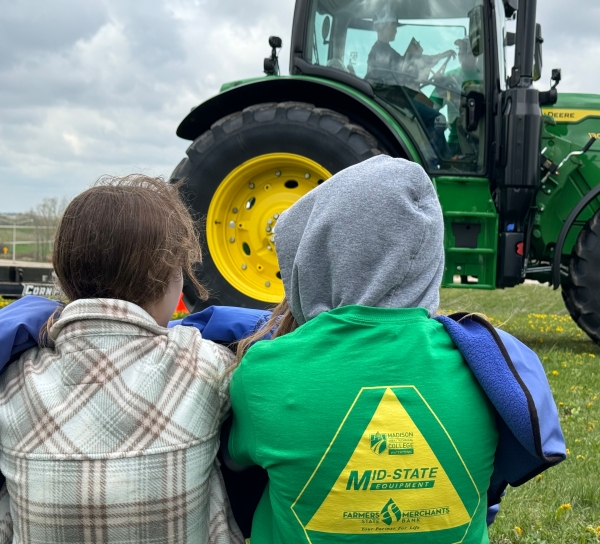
[(95, 87)]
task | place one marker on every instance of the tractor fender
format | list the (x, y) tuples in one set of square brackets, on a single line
[(587, 198), (360, 109)]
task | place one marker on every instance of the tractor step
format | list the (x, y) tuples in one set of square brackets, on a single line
[(470, 232)]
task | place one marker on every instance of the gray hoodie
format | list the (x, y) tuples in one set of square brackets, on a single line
[(372, 235)]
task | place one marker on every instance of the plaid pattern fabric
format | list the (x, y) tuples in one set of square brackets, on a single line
[(111, 434)]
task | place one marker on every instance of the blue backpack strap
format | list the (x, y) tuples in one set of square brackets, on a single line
[(512, 376)]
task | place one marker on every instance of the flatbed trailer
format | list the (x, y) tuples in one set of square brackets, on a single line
[(20, 278)]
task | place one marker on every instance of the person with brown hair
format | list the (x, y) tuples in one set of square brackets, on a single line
[(109, 433)]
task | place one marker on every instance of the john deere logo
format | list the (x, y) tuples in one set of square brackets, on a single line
[(390, 512), (378, 442)]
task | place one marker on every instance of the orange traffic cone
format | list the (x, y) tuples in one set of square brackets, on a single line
[(181, 307)]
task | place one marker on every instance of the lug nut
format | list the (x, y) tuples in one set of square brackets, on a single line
[(267, 284), (307, 175), (235, 210), (272, 238), (269, 221), (231, 224), (278, 173), (244, 266), (276, 216), (459, 267), (232, 239), (268, 229), (269, 248), (251, 185)]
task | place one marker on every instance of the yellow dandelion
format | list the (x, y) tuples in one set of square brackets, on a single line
[(562, 509), (577, 440), (589, 404), (563, 364), (559, 329), (568, 451), (539, 477), (592, 355), (561, 403), (555, 372), (518, 530), (580, 457)]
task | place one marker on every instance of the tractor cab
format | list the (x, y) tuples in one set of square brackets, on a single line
[(426, 63)]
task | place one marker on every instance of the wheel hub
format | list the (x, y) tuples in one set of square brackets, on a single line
[(243, 214)]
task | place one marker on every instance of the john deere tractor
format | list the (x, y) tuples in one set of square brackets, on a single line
[(515, 168)]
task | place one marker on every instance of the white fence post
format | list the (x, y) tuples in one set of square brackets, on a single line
[(14, 243)]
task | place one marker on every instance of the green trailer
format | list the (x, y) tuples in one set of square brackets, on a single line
[(515, 168)]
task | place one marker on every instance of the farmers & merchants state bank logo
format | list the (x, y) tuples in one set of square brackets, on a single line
[(374, 482)]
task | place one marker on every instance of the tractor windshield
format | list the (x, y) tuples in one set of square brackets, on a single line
[(424, 58)]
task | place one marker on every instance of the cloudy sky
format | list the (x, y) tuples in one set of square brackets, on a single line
[(93, 87)]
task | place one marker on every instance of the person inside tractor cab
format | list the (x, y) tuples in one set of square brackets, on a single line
[(390, 67), (451, 90), (385, 66)]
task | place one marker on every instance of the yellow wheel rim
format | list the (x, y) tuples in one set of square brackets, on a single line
[(243, 212)]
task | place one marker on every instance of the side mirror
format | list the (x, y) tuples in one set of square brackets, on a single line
[(325, 29), (537, 53), (510, 6), (476, 30)]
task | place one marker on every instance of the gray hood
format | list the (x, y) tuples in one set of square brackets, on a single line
[(372, 235)]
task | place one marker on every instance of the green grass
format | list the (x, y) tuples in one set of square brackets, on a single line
[(25, 252), (563, 504)]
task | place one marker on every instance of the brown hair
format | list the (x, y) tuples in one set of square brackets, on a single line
[(281, 322), (125, 238)]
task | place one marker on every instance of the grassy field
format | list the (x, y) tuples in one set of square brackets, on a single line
[(563, 504)]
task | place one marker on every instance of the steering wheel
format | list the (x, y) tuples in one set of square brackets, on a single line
[(439, 73)]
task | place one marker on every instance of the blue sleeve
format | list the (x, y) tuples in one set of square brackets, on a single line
[(20, 324), (492, 512), (225, 324)]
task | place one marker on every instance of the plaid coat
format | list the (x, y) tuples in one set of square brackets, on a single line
[(111, 435)]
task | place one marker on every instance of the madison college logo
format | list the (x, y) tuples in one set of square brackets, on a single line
[(378, 442), (390, 512)]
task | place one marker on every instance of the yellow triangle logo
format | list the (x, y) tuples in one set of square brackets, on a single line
[(393, 481)]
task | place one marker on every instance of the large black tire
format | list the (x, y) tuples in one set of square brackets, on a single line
[(322, 135), (581, 292)]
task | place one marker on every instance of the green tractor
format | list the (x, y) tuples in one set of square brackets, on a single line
[(424, 80)]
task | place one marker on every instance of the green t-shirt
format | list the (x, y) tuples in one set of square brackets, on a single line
[(369, 422)]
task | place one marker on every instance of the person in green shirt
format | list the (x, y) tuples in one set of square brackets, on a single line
[(370, 424)]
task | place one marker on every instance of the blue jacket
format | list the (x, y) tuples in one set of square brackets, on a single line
[(530, 437)]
